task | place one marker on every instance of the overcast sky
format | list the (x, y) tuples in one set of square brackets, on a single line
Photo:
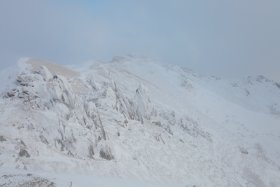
[(222, 37)]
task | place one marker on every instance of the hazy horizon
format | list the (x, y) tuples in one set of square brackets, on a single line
[(221, 38)]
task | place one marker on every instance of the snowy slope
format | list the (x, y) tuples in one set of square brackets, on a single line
[(138, 120)]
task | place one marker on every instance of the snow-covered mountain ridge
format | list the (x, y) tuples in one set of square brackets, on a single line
[(133, 118)]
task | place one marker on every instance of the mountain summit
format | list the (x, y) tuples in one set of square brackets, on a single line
[(137, 119)]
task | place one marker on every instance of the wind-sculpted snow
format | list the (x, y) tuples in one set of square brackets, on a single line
[(137, 119)]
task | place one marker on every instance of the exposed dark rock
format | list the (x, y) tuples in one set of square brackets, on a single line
[(22, 143), (25, 181), (38, 182), (247, 92), (23, 153), (69, 153), (106, 154), (90, 151), (43, 139), (243, 150), (11, 94), (262, 79), (2, 139), (157, 123)]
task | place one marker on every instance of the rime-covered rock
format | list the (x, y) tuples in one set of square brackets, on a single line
[(137, 118)]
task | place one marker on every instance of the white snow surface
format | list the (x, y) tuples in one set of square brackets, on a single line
[(135, 122)]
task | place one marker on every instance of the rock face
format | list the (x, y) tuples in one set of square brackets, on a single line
[(141, 119)]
